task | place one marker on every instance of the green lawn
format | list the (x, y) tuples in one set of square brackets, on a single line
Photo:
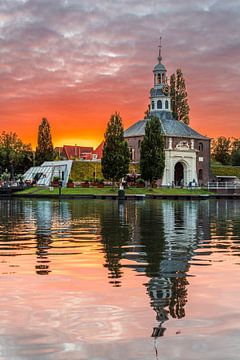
[(109, 190)]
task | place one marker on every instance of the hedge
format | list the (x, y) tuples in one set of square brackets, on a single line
[(221, 170), (82, 170)]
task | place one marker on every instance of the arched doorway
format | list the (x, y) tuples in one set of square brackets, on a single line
[(179, 174)]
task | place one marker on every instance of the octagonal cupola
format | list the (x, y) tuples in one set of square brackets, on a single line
[(159, 94), (159, 70)]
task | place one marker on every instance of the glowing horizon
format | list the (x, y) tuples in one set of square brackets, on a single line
[(77, 63)]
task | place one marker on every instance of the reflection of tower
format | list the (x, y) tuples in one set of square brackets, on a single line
[(168, 290), (159, 290)]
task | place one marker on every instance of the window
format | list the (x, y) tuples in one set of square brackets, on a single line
[(153, 105), (200, 146), (166, 104), (139, 144), (158, 78), (200, 175), (159, 104), (131, 150)]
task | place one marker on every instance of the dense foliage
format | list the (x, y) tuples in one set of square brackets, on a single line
[(15, 156), (179, 100), (152, 157), (116, 155), (221, 148), (226, 151), (44, 149), (235, 152)]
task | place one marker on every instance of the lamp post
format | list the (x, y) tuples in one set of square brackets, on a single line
[(59, 183)]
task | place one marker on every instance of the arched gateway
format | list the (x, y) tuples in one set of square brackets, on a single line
[(178, 174)]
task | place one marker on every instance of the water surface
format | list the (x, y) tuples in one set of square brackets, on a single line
[(107, 280)]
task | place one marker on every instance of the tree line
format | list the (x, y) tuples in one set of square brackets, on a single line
[(226, 150), (16, 157)]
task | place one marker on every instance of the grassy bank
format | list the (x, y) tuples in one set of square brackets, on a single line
[(221, 170), (110, 191)]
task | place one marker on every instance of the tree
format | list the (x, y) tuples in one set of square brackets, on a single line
[(173, 95), (221, 150), (15, 156), (179, 100), (44, 149), (147, 113), (152, 157), (116, 155), (235, 154)]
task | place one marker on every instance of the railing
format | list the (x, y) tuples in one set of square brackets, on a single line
[(223, 185)]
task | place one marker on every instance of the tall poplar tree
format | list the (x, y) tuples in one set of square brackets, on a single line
[(44, 149), (116, 155), (152, 157), (179, 100), (173, 95)]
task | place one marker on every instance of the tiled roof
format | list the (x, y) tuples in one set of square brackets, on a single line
[(170, 127), (76, 151), (98, 151)]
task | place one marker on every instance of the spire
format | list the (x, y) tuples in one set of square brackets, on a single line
[(160, 51)]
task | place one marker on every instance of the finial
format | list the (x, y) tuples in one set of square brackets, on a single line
[(160, 51)]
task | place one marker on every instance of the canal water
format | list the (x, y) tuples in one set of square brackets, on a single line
[(101, 280)]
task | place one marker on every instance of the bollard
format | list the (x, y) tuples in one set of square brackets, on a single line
[(121, 194)]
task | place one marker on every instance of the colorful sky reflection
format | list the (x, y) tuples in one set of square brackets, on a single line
[(76, 62)]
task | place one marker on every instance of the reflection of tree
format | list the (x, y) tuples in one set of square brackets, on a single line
[(152, 235), (115, 233), (179, 297), (11, 216)]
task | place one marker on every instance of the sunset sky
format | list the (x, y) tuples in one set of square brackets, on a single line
[(78, 61)]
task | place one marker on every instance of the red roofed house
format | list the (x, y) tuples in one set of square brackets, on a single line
[(70, 152)]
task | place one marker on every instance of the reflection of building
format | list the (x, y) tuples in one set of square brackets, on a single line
[(187, 153), (168, 290), (48, 217), (167, 235)]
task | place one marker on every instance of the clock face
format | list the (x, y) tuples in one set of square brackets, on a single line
[(165, 89)]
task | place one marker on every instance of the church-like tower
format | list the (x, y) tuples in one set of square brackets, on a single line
[(187, 153), (159, 94)]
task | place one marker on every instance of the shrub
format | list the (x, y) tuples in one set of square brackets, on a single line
[(140, 181)]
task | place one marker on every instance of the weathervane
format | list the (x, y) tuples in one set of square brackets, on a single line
[(160, 51)]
